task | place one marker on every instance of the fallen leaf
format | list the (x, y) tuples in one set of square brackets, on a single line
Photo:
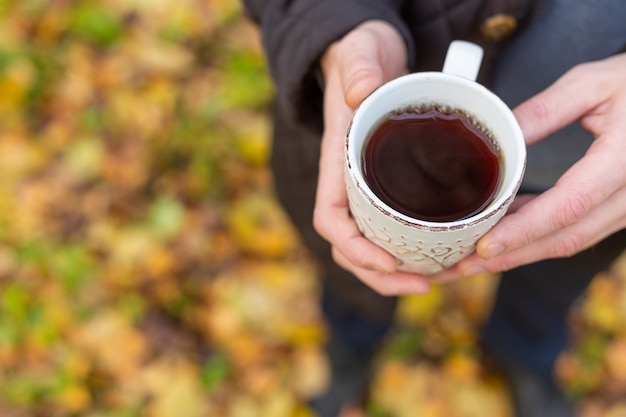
[(259, 226), (419, 309), (176, 387), (616, 359), (600, 307), (105, 336)]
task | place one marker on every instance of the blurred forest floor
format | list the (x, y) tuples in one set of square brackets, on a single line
[(146, 269)]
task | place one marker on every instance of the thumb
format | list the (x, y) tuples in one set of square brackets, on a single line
[(372, 53), (360, 80)]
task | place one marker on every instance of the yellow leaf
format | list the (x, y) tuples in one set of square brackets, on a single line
[(75, 398), (176, 388), (480, 400), (408, 391), (222, 10), (253, 143), (245, 349), (113, 342), (245, 406), (131, 247), (275, 299), (52, 24), (601, 305), (473, 296), (19, 156), (9, 355), (617, 410), (127, 168), (84, 157), (259, 226), (310, 372), (280, 404), (261, 380), (8, 261), (419, 309), (462, 366), (220, 322), (391, 378), (76, 88), (616, 359), (159, 57), (14, 84), (160, 263)]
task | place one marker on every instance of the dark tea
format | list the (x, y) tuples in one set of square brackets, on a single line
[(432, 164)]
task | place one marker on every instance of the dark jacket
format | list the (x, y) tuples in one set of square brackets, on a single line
[(296, 33)]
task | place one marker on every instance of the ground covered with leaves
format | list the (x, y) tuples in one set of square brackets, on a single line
[(146, 269)]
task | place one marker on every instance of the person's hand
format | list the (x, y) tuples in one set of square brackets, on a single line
[(588, 203), (353, 67)]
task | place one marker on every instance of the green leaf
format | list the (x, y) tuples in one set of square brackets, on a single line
[(215, 371), (247, 83), (166, 216), (14, 302), (97, 24), (406, 343), (74, 267)]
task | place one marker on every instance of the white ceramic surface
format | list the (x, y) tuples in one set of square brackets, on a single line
[(421, 246)]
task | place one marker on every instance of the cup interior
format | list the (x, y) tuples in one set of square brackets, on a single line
[(445, 90)]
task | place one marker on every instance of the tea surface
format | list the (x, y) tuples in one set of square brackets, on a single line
[(432, 165)]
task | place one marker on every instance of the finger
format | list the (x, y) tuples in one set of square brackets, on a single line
[(360, 77), (599, 224), (520, 201), (377, 55), (584, 187), (547, 112), (398, 283), (336, 226), (331, 216), (448, 275)]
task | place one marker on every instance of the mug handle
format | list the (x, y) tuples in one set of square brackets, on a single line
[(463, 59)]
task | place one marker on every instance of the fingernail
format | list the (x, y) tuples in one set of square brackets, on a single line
[(492, 250)]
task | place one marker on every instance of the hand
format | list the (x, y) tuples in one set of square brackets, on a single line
[(588, 203), (353, 67)]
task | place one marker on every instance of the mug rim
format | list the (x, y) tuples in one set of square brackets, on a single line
[(504, 195)]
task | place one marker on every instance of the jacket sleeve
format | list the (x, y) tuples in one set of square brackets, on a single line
[(296, 33)]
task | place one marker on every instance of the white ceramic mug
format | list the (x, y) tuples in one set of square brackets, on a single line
[(427, 247)]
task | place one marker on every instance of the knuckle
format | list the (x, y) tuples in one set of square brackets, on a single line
[(572, 210), (346, 260), (360, 260), (540, 110), (568, 245), (580, 70)]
